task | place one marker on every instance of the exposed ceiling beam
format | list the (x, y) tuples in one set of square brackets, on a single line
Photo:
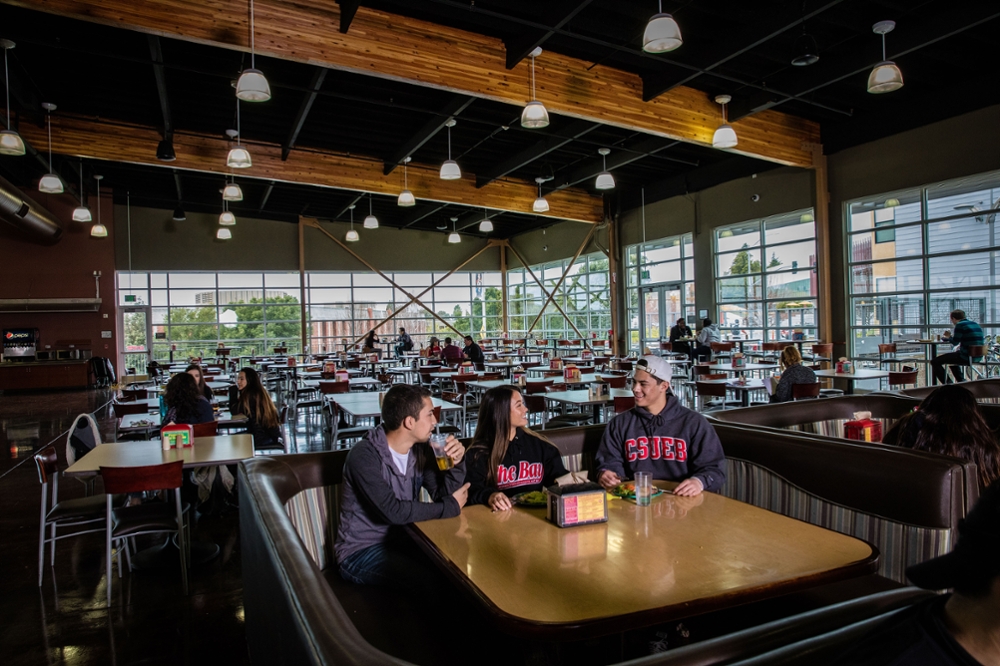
[(854, 62), (573, 131), (445, 58), (352, 202), (524, 42), (319, 74), (458, 104), (177, 184), (421, 213), (634, 151), (655, 84), (156, 54), (267, 195), (348, 8), (121, 142), (698, 179)]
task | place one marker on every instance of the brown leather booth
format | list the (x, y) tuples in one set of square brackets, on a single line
[(983, 389), (803, 414)]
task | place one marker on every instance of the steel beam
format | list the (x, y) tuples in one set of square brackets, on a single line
[(571, 132), (458, 104), (319, 74), (521, 45)]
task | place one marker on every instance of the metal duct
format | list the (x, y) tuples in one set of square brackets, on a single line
[(20, 211)]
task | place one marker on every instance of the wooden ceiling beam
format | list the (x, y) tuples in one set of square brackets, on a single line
[(135, 144), (387, 46)]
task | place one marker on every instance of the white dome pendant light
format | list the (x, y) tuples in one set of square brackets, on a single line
[(406, 198), (252, 86), (226, 219), (885, 77), (534, 116), (371, 222), (453, 237), (81, 213), (486, 226), (352, 235), (50, 183), (541, 205), (605, 181), (99, 230), (725, 136), (10, 141), (232, 191), (239, 157), (450, 169), (662, 33), (223, 233)]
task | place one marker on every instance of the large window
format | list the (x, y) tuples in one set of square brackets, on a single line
[(665, 265), (584, 296), (765, 277), (918, 254)]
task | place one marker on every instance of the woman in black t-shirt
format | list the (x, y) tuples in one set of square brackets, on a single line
[(185, 403), (255, 403), (506, 458)]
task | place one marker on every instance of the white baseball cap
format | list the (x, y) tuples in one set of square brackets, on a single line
[(655, 366)]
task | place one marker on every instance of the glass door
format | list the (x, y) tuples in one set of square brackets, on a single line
[(137, 336), (661, 308)]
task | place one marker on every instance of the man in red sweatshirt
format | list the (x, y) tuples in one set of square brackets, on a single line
[(660, 436)]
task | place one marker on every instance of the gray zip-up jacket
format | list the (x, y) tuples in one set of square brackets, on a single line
[(377, 498), (673, 445)]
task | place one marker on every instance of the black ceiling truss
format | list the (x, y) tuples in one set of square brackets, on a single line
[(319, 75), (348, 8), (453, 108), (421, 213), (355, 198), (266, 196), (569, 133), (619, 157), (520, 45), (156, 55)]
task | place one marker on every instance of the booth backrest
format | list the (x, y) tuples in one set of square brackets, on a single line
[(983, 389), (822, 417), (906, 503)]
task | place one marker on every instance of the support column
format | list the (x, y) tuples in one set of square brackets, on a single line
[(504, 321), (613, 283), (302, 284), (822, 215)]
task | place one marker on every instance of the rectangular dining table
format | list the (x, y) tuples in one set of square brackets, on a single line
[(206, 451), (851, 377), (677, 558), (582, 397)]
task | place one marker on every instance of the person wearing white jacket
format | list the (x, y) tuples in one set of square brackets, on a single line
[(708, 334)]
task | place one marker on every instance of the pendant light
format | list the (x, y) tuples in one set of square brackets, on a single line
[(179, 215), (605, 181), (806, 51), (486, 226), (885, 77), (239, 157), (662, 33), (226, 219), (406, 198), (165, 151), (450, 169), (453, 237), (252, 86), (99, 230), (10, 141), (50, 183), (232, 191), (541, 205), (371, 222), (534, 115), (352, 235), (725, 136), (223, 234), (81, 213)]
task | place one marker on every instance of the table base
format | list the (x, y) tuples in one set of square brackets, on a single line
[(167, 555)]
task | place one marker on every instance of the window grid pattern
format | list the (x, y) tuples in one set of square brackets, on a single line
[(660, 262)]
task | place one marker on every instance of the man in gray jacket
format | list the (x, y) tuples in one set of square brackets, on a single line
[(383, 476)]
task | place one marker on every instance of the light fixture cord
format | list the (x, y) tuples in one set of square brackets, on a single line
[(532, 78), (404, 177), (369, 204), (6, 78), (252, 60), (98, 203), (725, 116), (49, 118), (449, 142), (661, 5), (883, 47), (81, 183), (238, 137), (352, 218)]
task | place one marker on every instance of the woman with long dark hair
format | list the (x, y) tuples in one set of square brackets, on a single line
[(185, 403), (949, 422), (199, 377), (255, 403), (369, 345), (506, 458)]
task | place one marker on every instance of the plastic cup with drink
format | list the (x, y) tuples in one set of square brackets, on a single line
[(643, 488), (438, 443)]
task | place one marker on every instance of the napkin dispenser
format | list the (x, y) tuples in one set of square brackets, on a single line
[(556, 364), (845, 366), (863, 428), (467, 369), (739, 360), (577, 504), (176, 436), (571, 373)]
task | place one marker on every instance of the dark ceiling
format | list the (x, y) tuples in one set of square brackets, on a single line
[(945, 50)]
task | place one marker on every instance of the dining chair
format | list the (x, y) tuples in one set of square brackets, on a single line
[(210, 429), (902, 379), (805, 391), (81, 516), (125, 523), (616, 382), (123, 408)]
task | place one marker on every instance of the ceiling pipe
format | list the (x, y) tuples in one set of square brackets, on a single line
[(22, 212)]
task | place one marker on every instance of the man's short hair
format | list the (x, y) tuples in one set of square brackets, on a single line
[(958, 315), (447, 341), (469, 338), (682, 319), (402, 329), (400, 401)]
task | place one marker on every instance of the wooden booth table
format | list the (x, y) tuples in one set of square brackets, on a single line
[(677, 558)]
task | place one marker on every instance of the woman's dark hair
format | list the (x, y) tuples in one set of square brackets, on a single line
[(949, 422), (182, 395), (370, 340), (493, 428), (202, 386), (400, 401), (255, 400)]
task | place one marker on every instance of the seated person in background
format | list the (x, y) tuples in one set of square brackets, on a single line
[(950, 629), (949, 422), (967, 334), (195, 371), (383, 476), (708, 334), (255, 403), (506, 458), (680, 330), (433, 348), (369, 345), (660, 436), (792, 372), (473, 352), (185, 403), (451, 354), (404, 342)]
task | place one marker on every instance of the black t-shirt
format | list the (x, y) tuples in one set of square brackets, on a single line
[(474, 352), (530, 464), (917, 637)]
